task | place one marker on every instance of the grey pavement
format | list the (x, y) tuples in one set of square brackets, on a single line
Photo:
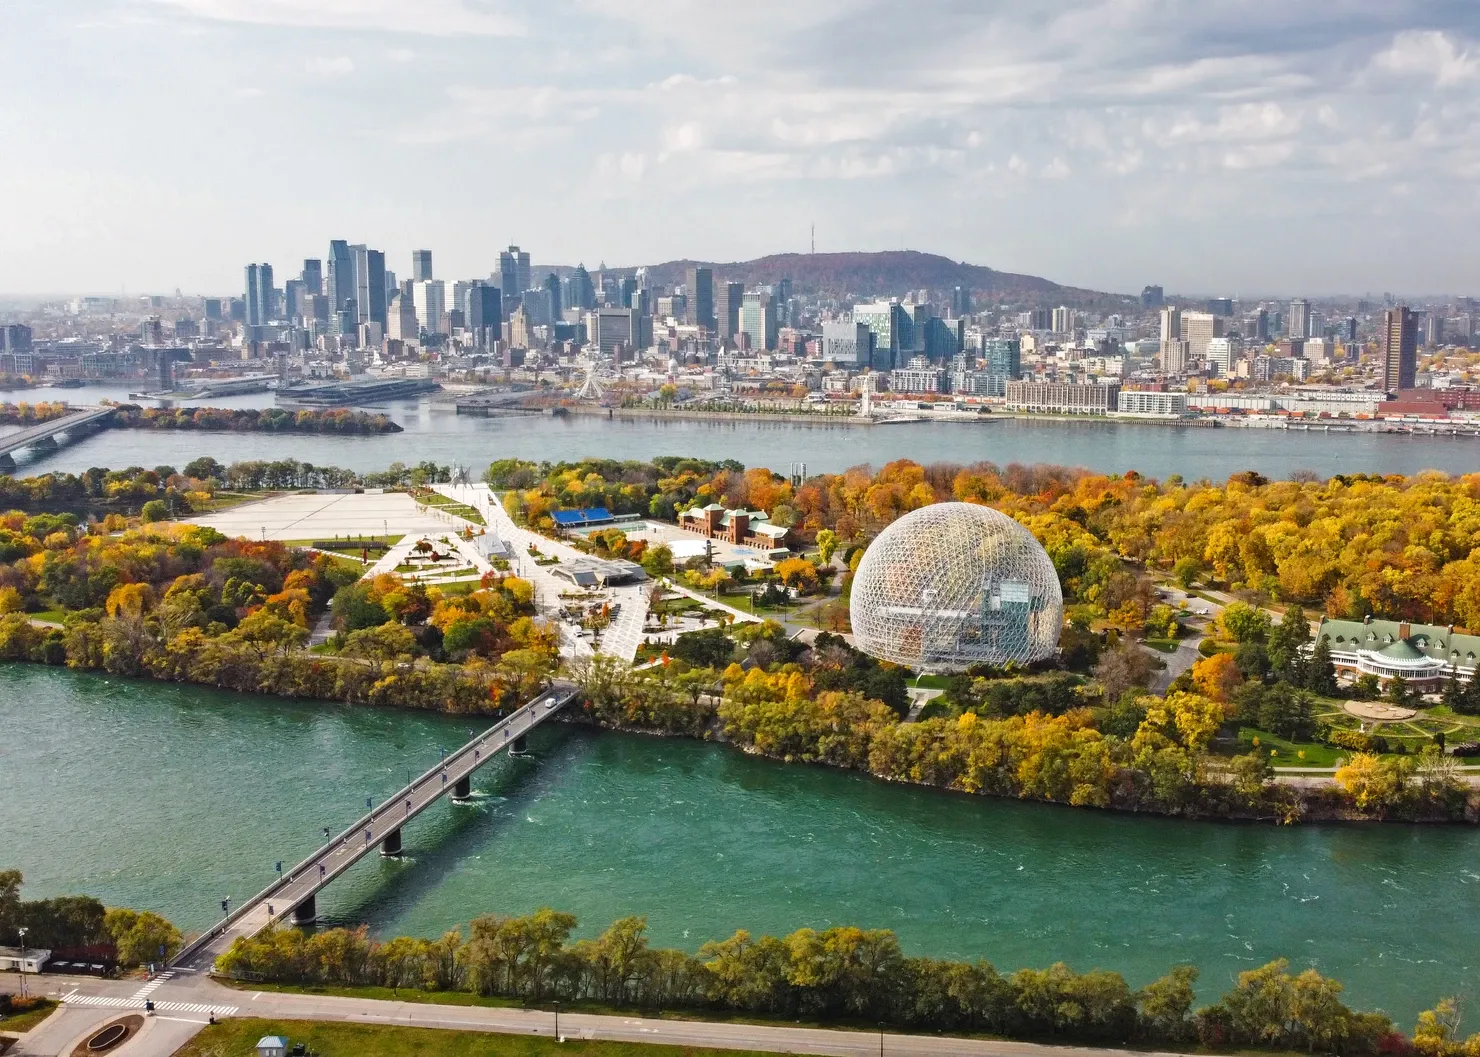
[(165, 1033)]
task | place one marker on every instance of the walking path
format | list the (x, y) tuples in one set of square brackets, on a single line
[(166, 1032)]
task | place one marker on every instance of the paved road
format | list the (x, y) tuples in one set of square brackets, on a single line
[(169, 1030), (302, 881)]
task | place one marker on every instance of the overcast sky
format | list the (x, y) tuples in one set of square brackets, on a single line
[(1216, 146)]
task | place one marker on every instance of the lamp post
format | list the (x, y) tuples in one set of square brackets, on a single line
[(881, 1038), (23, 932), (557, 1020)]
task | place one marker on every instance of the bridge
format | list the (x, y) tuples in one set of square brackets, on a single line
[(292, 895), (45, 434)]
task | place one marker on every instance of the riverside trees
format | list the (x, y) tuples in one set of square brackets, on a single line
[(840, 974)]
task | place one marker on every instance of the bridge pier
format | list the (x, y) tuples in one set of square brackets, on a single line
[(46, 444), (464, 788), (521, 744), (306, 912), (7, 462), (391, 846)]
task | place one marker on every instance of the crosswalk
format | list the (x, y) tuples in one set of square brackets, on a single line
[(153, 985), (134, 1002)]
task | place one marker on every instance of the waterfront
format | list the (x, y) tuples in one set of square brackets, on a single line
[(173, 797), (439, 435)]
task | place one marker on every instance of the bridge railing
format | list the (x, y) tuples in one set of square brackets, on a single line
[(245, 907)]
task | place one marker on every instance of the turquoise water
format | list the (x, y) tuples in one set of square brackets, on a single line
[(174, 797)]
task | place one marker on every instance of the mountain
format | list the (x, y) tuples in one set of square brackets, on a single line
[(889, 273)]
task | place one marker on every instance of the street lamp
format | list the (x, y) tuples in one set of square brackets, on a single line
[(881, 1038), (557, 1020), (23, 932)]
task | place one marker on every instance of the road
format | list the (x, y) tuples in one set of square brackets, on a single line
[(173, 1026), (24, 438)]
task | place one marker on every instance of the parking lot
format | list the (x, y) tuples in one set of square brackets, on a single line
[(325, 517)]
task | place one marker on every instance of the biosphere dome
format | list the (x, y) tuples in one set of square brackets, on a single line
[(956, 584)]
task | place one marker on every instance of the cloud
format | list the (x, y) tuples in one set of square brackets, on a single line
[(436, 18), (330, 66), (1429, 54)]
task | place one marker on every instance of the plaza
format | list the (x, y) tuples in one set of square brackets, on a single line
[(327, 516)]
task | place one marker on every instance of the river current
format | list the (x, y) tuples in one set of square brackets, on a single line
[(174, 797), (435, 432)]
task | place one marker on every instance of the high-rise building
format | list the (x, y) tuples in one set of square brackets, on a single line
[(1297, 323), (942, 338), (1175, 356), (1221, 306), (213, 309), (339, 277), (616, 329), (513, 270), (421, 265), (894, 332), (1152, 297), (1433, 330), (369, 280), (552, 291), (259, 294), (485, 313), (758, 319), (960, 302), (1063, 320), (429, 298), (701, 297), (312, 276), (1002, 358), (293, 293), (402, 324), (1171, 324), (727, 309), (1256, 326), (1399, 348), (580, 290), (1199, 328), (1222, 353), (847, 344)]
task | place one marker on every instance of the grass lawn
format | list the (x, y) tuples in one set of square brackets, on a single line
[(1162, 645), (233, 1038), (1316, 754), (53, 616), (931, 682), (19, 1022)]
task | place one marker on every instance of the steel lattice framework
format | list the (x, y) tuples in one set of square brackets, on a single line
[(956, 584)]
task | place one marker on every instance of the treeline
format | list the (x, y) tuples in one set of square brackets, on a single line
[(83, 924), (28, 414), (1046, 736), (186, 604), (252, 475), (253, 420), (843, 975)]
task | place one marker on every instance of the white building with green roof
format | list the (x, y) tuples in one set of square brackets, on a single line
[(1422, 655)]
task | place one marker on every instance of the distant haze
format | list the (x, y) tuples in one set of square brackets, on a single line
[(1219, 146)]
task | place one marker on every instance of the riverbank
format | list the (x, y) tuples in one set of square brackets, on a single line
[(680, 415)]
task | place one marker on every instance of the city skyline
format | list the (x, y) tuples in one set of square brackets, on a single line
[(1251, 148)]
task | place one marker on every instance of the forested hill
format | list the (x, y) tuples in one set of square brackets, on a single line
[(891, 272)]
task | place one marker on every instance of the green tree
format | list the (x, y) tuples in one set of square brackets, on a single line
[(1320, 673), (154, 510), (827, 544)]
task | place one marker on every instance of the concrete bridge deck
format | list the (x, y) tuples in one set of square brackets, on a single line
[(34, 435), (291, 897)]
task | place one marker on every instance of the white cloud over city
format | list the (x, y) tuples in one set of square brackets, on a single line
[(1213, 146)]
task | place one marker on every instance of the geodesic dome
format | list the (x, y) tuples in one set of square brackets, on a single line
[(956, 584)]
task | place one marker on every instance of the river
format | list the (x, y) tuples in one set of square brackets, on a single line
[(174, 797), (436, 433)]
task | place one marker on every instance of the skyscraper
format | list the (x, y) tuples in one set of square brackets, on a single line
[(894, 332), (341, 276), (701, 297), (421, 265), (1198, 329), (485, 313), (369, 284), (313, 276), (430, 298), (1399, 348), (513, 270), (582, 291), (259, 294), (1297, 324), (727, 309), (552, 291), (758, 319), (960, 302)]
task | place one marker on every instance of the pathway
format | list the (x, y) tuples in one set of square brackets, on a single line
[(164, 1033)]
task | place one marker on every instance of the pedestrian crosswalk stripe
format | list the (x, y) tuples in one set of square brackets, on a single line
[(109, 1002)]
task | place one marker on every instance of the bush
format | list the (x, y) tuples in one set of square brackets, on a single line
[(154, 510)]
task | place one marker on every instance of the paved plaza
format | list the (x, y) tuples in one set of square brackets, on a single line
[(324, 517)]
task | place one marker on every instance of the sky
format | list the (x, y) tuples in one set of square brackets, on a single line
[(1237, 147)]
